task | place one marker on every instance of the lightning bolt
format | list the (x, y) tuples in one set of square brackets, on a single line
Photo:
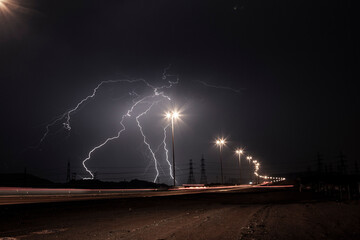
[(145, 139), (128, 114), (167, 152), (66, 117), (219, 87), (157, 92), (163, 143)]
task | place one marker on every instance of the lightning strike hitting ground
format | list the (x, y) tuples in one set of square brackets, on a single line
[(128, 114), (66, 117), (145, 139), (167, 152), (164, 145)]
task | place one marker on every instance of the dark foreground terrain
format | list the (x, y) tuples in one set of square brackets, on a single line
[(247, 214)]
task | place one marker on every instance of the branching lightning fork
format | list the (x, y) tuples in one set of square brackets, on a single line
[(149, 99), (167, 151), (145, 139)]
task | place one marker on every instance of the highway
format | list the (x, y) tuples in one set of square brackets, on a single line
[(11, 195)]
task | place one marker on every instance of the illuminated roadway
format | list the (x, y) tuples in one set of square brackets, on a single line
[(11, 195)]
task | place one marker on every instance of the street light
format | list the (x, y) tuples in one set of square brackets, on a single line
[(257, 165), (221, 142), (171, 116), (2, 3), (249, 158), (239, 151), (6, 7)]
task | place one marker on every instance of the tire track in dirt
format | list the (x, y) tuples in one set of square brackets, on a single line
[(222, 223), (256, 226)]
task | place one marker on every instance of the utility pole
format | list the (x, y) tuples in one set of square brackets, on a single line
[(203, 178), (191, 179)]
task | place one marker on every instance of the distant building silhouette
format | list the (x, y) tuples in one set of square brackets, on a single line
[(191, 179), (203, 178)]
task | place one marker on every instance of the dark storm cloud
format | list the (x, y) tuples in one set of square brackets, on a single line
[(297, 61)]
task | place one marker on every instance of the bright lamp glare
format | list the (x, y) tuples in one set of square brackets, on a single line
[(220, 141), (3, 6), (172, 115), (239, 151)]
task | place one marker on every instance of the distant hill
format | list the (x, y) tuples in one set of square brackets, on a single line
[(133, 184), (23, 180), (29, 180)]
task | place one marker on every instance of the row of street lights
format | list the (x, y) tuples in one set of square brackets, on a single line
[(174, 115), (221, 142)]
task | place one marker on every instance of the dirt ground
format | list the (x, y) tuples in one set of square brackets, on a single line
[(250, 214)]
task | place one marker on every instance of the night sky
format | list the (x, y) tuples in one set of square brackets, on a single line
[(286, 73)]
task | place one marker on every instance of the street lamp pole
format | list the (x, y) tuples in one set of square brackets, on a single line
[(239, 152), (173, 147), (171, 116), (256, 175), (249, 158), (220, 143), (222, 175)]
